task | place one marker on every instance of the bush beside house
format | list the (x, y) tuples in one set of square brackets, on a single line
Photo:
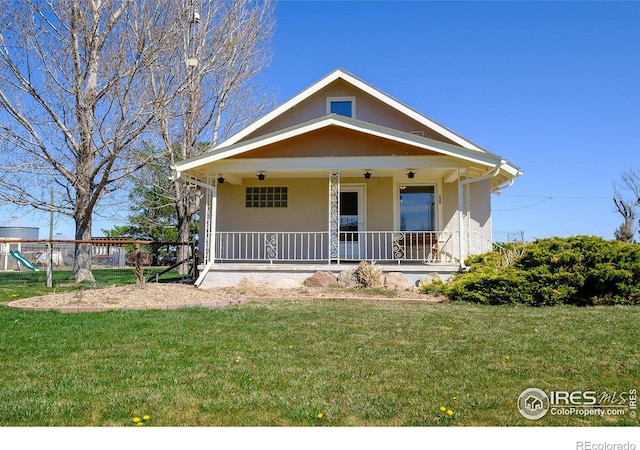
[(580, 270)]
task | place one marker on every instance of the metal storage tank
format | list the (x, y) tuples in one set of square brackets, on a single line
[(15, 229)]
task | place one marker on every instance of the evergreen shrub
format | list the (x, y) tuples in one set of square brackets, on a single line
[(580, 270)]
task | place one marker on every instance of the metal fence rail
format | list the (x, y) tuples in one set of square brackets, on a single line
[(397, 246)]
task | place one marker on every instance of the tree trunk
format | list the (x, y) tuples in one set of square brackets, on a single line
[(185, 210), (82, 254)]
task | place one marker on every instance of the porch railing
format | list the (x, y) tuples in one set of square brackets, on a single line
[(382, 246)]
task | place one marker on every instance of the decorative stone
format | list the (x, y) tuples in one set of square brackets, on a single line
[(321, 280), (428, 279), (396, 281)]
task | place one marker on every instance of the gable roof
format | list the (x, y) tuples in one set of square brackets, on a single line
[(360, 84)]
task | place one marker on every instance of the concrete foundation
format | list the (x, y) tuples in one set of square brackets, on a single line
[(291, 276)]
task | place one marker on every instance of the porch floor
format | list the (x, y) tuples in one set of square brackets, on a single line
[(287, 275)]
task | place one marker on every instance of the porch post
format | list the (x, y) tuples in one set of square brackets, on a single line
[(213, 209), (461, 214), (334, 216)]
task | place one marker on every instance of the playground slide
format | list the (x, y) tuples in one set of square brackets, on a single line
[(22, 260)]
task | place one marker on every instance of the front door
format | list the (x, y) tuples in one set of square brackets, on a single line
[(352, 223)]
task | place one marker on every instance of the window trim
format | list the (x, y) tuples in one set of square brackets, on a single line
[(342, 99)]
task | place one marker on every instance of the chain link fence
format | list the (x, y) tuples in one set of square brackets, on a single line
[(113, 262)]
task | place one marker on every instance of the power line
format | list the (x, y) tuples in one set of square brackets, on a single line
[(546, 198), (572, 197)]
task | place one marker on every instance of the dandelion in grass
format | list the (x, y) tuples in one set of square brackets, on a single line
[(442, 408), (320, 416), (140, 424), (449, 412), (136, 419), (146, 417)]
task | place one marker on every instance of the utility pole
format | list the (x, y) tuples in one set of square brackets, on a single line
[(50, 245)]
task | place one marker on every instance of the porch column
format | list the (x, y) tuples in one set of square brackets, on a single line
[(207, 227), (461, 216), (213, 209), (334, 216)]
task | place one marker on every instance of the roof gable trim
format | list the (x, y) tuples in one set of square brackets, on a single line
[(347, 123)]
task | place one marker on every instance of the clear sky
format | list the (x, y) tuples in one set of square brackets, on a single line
[(554, 87)]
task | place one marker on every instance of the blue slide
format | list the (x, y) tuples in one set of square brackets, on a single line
[(22, 260)]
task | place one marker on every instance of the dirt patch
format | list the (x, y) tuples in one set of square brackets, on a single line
[(171, 296)]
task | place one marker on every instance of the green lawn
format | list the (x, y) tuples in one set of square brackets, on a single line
[(284, 363)]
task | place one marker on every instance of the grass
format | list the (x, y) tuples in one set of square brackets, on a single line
[(18, 285), (324, 363)]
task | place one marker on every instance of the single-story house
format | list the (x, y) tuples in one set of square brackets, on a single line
[(340, 173)]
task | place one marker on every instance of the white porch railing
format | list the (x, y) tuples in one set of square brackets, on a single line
[(382, 246)]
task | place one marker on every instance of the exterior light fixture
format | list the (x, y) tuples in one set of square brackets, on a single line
[(261, 176), (367, 175), (220, 180), (410, 175)]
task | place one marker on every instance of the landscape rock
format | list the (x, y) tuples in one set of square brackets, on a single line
[(396, 281), (428, 279), (346, 280), (321, 280)]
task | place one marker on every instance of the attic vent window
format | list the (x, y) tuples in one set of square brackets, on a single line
[(418, 133), (344, 106)]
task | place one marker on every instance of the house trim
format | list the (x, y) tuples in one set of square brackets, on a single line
[(485, 158)]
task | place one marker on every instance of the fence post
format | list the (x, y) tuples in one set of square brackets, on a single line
[(137, 259), (50, 264)]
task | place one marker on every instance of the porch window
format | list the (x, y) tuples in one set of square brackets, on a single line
[(344, 106), (417, 208), (266, 197)]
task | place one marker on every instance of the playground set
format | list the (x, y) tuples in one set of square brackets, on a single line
[(35, 255)]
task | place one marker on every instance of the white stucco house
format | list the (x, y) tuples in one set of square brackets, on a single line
[(340, 173)]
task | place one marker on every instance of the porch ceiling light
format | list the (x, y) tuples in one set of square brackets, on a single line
[(367, 175), (261, 176), (220, 180), (411, 174)]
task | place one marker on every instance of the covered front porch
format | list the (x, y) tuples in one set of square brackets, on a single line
[(336, 190), (285, 222)]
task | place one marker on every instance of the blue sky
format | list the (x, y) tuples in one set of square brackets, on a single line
[(552, 86)]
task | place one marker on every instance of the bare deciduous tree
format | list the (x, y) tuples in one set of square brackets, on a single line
[(223, 48), (626, 198), (75, 100), (82, 83)]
